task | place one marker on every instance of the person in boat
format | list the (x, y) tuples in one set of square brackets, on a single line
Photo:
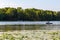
[(48, 22)]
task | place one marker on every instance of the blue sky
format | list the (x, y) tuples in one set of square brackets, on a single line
[(39, 4)]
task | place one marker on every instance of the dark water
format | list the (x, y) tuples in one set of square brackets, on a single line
[(44, 27), (29, 27)]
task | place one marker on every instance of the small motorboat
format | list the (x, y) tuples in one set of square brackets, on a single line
[(49, 23)]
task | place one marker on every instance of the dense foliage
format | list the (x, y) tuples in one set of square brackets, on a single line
[(29, 14)]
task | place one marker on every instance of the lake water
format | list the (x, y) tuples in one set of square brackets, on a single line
[(38, 24), (28, 22)]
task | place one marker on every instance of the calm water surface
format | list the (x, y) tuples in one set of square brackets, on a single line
[(39, 25), (28, 22)]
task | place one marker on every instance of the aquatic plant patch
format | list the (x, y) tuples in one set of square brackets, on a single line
[(30, 35)]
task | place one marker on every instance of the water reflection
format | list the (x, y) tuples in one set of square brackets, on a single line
[(26, 25), (44, 27), (29, 27)]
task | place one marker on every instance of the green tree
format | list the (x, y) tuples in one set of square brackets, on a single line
[(12, 14)]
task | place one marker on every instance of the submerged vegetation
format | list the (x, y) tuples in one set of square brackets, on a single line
[(29, 14)]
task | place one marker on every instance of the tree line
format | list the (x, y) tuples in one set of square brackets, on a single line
[(28, 14)]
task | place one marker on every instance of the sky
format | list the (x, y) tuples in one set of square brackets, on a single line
[(39, 4)]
